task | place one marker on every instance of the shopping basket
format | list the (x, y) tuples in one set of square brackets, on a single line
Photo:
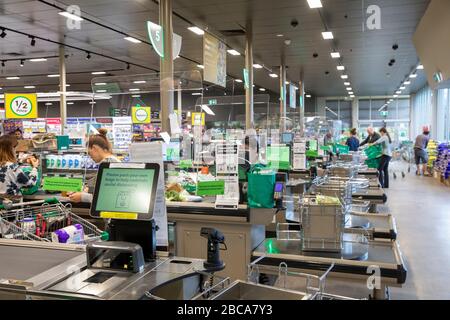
[(45, 219)]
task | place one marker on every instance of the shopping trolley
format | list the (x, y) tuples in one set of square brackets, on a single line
[(42, 219)]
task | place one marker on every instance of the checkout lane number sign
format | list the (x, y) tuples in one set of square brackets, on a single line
[(20, 106)]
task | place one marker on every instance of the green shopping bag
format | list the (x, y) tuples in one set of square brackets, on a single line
[(374, 151), (35, 188), (261, 184)]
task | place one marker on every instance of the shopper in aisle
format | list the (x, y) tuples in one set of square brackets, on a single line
[(12, 177), (328, 139), (353, 141), (420, 152), (100, 150), (372, 136), (383, 169)]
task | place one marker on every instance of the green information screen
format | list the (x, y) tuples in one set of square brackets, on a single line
[(125, 190)]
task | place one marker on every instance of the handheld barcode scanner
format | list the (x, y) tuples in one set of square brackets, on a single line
[(215, 238)]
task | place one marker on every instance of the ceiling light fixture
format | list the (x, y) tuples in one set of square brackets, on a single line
[(308, 96), (135, 89), (131, 39), (412, 76), (136, 96), (407, 82), (139, 81), (207, 109), (12, 78), (257, 66), (37, 60), (3, 63), (395, 96), (101, 91), (3, 34), (233, 52), (335, 55), (29, 87), (327, 35), (200, 66), (98, 72), (262, 89), (238, 80), (314, 4), (88, 55), (348, 89), (340, 68), (53, 76), (352, 96), (287, 82), (196, 93), (344, 76), (279, 35), (100, 84), (33, 41), (402, 88), (273, 75), (346, 83), (351, 93), (420, 67), (398, 92), (70, 16), (22, 62), (49, 104), (197, 30), (69, 103)]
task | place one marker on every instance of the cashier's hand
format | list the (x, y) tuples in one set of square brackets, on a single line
[(75, 197), (33, 161)]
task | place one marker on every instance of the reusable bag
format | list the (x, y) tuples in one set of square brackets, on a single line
[(261, 184)]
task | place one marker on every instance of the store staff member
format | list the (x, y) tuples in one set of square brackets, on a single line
[(100, 150), (372, 136)]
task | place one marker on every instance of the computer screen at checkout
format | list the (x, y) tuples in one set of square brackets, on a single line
[(125, 190)]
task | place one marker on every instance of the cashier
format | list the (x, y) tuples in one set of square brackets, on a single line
[(100, 150), (12, 177)]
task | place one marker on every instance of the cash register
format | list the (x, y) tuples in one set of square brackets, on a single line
[(125, 193)]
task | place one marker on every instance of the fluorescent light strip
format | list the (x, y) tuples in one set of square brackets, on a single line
[(69, 103), (131, 39), (233, 52), (412, 76), (207, 109), (70, 16), (262, 89), (344, 76), (340, 68), (257, 66), (197, 30), (335, 55), (29, 87), (12, 78), (53, 76), (273, 75), (348, 89), (287, 82), (239, 80), (100, 84), (420, 67), (308, 96), (314, 4), (139, 81), (134, 89), (407, 82), (200, 66), (37, 60), (327, 35), (398, 92), (135, 96), (196, 94), (49, 104), (346, 83), (98, 72), (402, 88), (101, 91)]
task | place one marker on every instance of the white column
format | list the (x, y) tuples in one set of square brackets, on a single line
[(62, 88)]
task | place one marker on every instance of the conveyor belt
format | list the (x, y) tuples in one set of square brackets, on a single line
[(15, 261)]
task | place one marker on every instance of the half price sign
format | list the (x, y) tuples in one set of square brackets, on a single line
[(21, 106)]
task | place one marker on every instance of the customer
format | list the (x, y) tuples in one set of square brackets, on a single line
[(100, 150), (328, 139), (372, 136), (353, 141), (420, 151), (383, 169), (12, 178)]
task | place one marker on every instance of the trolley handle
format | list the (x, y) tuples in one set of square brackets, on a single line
[(8, 206)]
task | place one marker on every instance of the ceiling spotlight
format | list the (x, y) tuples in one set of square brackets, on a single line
[(314, 4), (128, 66), (88, 56), (335, 55), (273, 75), (22, 62), (3, 63), (420, 67), (344, 76), (340, 68), (327, 35), (233, 52), (33, 41), (3, 34), (197, 30)]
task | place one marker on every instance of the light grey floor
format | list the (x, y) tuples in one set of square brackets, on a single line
[(421, 207)]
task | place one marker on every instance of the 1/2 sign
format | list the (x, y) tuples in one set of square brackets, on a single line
[(20, 106)]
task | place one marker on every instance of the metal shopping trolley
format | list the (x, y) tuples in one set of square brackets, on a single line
[(44, 220)]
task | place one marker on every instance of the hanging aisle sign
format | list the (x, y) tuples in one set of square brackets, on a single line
[(214, 60), (292, 96), (21, 105), (156, 35), (198, 118), (141, 115)]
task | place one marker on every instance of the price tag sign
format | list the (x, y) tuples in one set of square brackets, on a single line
[(21, 105), (141, 115), (210, 188)]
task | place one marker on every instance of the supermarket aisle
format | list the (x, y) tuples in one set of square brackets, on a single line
[(421, 207)]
